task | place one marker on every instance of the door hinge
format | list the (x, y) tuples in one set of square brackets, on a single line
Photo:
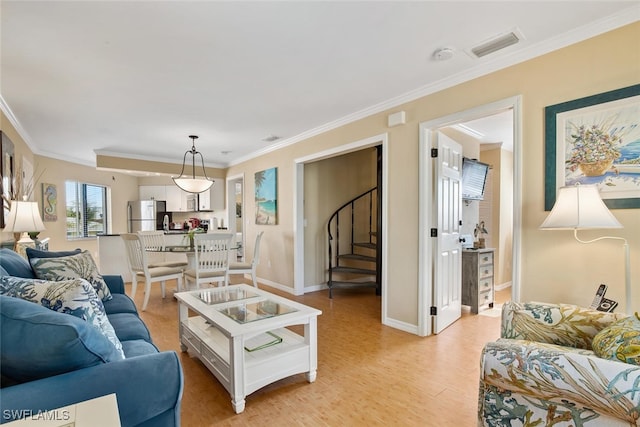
[(434, 232), (434, 311), (434, 152)]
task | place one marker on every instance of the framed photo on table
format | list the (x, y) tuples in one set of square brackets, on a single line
[(595, 140)]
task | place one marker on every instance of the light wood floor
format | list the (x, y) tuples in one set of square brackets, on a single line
[(368, 374)]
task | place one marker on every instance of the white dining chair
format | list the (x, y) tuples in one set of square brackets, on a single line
[(154, 243), (211, 257), (140, 269), (248, 267)]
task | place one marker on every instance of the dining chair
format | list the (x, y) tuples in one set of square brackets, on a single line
[(248, 267), (211, 258), (140, 269), (154, 243)]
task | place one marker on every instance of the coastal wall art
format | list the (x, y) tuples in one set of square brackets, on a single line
[(49, 202), (595, 140), (266, 186)]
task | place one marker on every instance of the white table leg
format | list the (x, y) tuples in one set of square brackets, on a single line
[(183, 314), (311, 339), (236, 357)]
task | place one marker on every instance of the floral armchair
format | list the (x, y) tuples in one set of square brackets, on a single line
[(543, 371)]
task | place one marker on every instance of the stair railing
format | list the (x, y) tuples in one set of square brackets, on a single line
[(334, 223)]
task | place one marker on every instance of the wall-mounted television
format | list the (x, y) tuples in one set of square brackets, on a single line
[(474, 178)]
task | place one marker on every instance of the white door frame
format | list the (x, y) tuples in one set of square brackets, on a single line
[(298, 208), (231, 208), (425, 264)]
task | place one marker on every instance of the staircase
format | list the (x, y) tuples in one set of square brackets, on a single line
[(354, 246)]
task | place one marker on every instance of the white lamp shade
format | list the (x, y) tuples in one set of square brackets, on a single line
[(193, 185), (24, 217), (579, 207)]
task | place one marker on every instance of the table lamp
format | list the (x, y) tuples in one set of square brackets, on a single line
[(580, 207), (23, 218)]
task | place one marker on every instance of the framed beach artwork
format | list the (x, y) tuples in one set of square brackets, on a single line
[(266, 186), (595, 140), (49, 202)]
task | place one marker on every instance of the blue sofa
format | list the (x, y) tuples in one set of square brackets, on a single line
[(148, 383)]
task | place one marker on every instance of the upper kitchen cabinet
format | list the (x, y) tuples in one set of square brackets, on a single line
[(212, 200), (153, 192), (176, 199)]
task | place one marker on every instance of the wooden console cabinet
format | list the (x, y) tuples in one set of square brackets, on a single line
[(477, 279)]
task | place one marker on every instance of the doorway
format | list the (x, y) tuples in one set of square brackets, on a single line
[(428, 282), (235, 212)]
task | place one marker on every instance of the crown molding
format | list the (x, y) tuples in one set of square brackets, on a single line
[(172, 161), (609, 23)]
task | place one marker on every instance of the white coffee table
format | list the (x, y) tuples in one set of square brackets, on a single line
[(232, 320)]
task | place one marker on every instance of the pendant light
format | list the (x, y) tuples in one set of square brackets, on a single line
[(191, 184)]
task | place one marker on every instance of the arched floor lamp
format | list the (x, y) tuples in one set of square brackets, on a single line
[(580, 207)]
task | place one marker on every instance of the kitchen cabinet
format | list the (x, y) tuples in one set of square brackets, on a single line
[(181, 201), (212, 200), (153, 192), (176, 199)]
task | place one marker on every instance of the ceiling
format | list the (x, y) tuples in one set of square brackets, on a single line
[(135, 79)]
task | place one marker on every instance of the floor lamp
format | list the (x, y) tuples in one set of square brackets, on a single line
[(580, 207)]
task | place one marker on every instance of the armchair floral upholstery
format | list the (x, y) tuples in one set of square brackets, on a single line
[(543, 372)]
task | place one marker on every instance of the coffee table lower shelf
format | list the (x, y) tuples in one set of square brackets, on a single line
[(248, 371)]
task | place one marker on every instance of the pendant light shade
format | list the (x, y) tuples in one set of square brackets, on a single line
[(191, 184)]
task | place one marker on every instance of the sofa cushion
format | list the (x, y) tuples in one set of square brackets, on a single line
[(14, 264), (620, 341), (134, 348), (76, 266), (38, 343), (119, 303), (35, 253), (75, 297), (129, 326)]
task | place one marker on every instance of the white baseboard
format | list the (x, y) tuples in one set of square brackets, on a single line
[(502, 286)]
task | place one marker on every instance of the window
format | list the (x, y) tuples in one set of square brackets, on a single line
[(86, 210)]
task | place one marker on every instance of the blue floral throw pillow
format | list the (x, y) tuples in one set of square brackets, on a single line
[(75, 297), (80, 266)]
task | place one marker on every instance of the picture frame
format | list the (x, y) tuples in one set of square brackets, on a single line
[(49, 202), (7, 172), (266, 187), (595, 140)]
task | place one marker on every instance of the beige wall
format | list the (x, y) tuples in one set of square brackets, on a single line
[(554, 266), (122, 188)]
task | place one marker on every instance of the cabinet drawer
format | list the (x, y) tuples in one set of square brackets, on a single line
[(485, 258), (191, 340), (485, 271), (217, 365), (485, 284), (485, 298)]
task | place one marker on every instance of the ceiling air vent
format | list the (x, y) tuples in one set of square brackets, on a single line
[(497, 43)]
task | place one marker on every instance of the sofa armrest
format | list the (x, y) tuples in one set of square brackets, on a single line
[(561, 324), (115, 283), (145, 387), (556, 373)]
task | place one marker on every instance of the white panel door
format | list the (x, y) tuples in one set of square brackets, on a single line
[(447, 296)]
